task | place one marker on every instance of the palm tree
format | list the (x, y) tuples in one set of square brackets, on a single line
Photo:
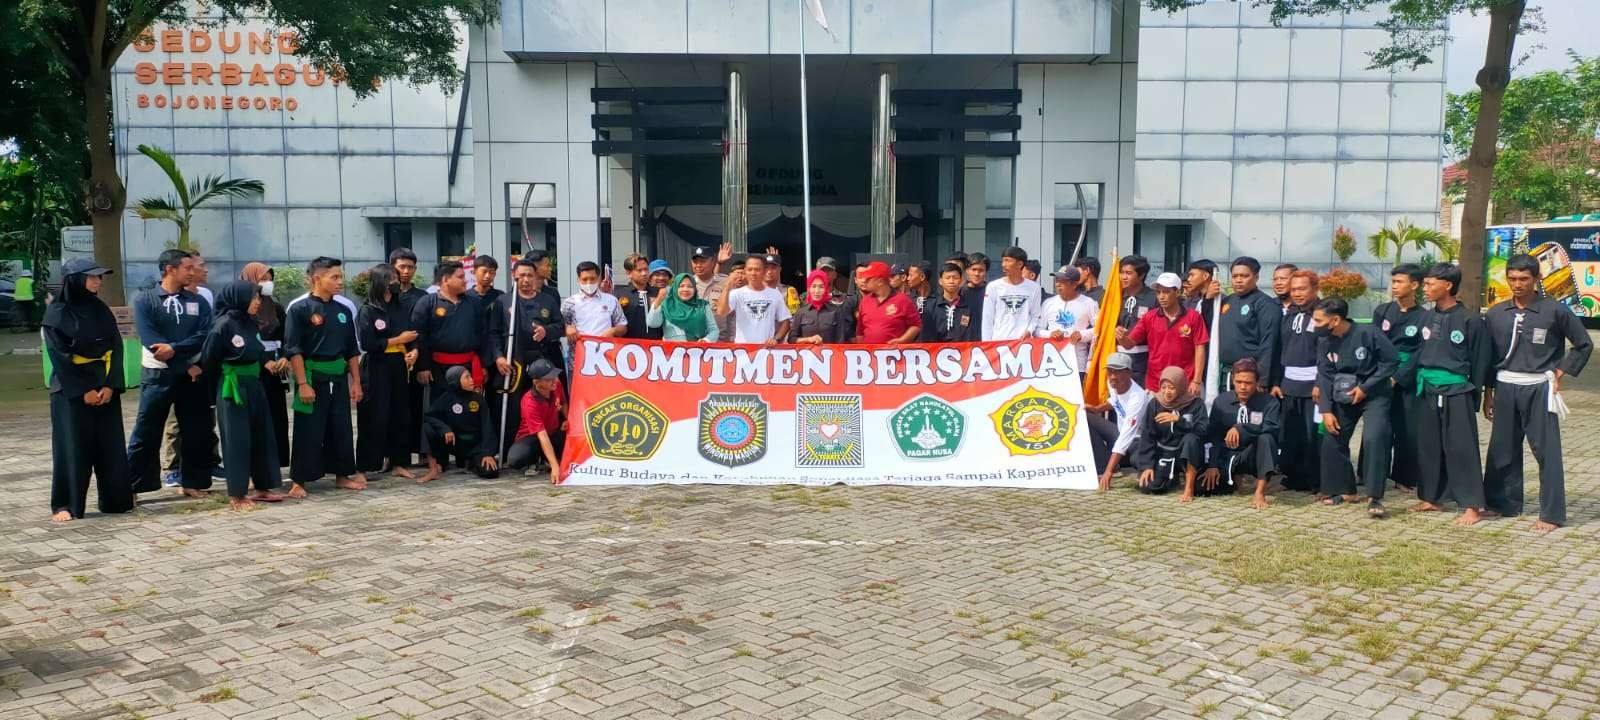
[(180, 208), (1404, 234)]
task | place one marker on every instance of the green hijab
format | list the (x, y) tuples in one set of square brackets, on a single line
[(688, 315)]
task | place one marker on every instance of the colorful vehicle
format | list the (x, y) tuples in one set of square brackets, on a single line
[(1568, 254)]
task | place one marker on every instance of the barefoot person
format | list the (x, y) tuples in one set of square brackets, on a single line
[(1292, 382), (1244, 423), (1169, 448), (1530, 336), (1355, 372), (1399, 320), (458, 428), (234, 354), (320, 342), (1449, 367), (85, 351), (384, 415), (275, 379)]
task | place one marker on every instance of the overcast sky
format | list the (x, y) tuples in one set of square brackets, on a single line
[(1569, 24)]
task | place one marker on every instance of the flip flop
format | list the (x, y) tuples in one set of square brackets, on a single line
[(1333, 500), (1376, 510)]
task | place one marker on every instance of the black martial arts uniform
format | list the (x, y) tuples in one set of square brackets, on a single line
[(453, 410), (383, 417), (1257, 454), (1169, 448), (233, 354), (485, 299), (1528, 343), (417, 393), (635, 304), (1134, 307), (452, 334), (1404, 330), (541, 310), (1447, 371), (1362, 358), (322, 333), (1296, 374), (269, 321), (1249, 330), (179, 319), (85, 349), (944, 321)]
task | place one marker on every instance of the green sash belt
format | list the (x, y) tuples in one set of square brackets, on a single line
[(231, 373), (1405, 357), (334, 367), (1436, 379)]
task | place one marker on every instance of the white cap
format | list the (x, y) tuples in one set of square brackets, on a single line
[(1169, 280)]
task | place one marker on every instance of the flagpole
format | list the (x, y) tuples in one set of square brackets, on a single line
[(805, 137)]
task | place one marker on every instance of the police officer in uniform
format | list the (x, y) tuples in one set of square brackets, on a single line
[(1530, 335), (1355, 368)]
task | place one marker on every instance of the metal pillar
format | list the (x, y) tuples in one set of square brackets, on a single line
[(735, 171), (883, 166)]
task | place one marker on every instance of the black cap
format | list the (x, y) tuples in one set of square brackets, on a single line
[(773, 259), (543, 370), (897, 269), (86, 266), (704, 251)]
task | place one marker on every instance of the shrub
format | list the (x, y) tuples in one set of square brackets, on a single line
[(1343, 283)]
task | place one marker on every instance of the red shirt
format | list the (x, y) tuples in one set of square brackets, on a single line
[(540, 414), (1171, 342), (879, 322)]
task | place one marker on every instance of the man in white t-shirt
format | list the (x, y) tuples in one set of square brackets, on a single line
[(590, 311), (760, 315), (1112, 439), (1069, 315), (1011, 303)]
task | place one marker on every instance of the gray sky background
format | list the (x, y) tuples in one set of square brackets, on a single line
[(1573, 24)]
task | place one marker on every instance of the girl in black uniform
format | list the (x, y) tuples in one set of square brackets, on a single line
[(458, 424), (384, 414), (80, 335), (1168, 453), (233, 354), (269, 321)]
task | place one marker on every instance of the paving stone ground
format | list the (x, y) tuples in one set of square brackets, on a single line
[(515, 599)]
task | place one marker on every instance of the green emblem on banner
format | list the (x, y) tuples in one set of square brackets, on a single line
[(624, 427), (927, 428)]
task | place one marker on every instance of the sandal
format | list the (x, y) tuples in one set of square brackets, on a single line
[(1333, 500), (1376, 510)]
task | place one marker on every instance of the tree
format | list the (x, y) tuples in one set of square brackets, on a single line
[(1416, 29), (414, 40), (33, 209), (180, 206), (1403, 235), (1548, 155)]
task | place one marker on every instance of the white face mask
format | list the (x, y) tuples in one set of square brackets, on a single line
[(266, 287), (589, 288)]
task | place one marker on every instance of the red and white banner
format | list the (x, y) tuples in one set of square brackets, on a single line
[(972, 414)]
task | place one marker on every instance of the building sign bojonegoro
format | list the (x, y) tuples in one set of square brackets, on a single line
[(249, 77)]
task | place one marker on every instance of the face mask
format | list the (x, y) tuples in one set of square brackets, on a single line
[(266, 287), (589, 288), (1323, 331)]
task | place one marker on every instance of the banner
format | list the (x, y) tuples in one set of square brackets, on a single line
[(969, 414)]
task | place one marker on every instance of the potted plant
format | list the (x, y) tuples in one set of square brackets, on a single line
[(1342, 282)]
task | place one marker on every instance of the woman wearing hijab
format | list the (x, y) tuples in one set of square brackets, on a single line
[(681, 314), (458, 425), (383, 415), (269, 321), (80, 335), (1169, 445), (820, 321), (234, 353)]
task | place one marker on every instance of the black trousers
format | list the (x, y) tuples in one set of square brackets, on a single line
[(1338, 476), (1520, 411), (384, 414), (1447, 444), (527, 451), (1255, 458), (249, 447), (1171, 462), (322, 440), (87, 440), (160, 392), (278, 410), (1299, 450), (1403, 410), (464, 452), (1102, 437)]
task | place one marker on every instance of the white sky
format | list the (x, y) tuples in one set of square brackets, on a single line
[(1573, 24)]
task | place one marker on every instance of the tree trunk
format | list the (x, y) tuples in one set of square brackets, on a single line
[(1504, 20), (107, 197)]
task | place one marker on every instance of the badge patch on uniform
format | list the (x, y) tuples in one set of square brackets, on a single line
[(456, 408), (1143, 310), (1184, 331), (1361, 354), (544, 313), (238, 341), (379, 324), (966, 320), (1244, 309), (1540, 335), (1457, 337), (1427, 333), (343, 319), (316, 319), (438, 311), (891, 310), (1386, 325), (623, 301), (472, 406), (191, 308), (1225, 307), (1411, 331), (1255, 418)]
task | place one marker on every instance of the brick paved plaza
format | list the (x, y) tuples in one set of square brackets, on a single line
[(515, 599)]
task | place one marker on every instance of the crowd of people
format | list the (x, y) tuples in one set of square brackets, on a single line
[(463, 374)]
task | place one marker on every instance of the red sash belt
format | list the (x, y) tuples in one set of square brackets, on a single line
[(470, 359)]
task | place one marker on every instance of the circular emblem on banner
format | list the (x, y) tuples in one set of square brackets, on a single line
[(456, 408), (927, 428), (379, 324), (1244, 309), (624, 427), (472, 405), (1035, 423), (1411, 331), (1427, 333), (1457, 337), (238, 341), (439, 311), (733, 429), (1386, 325), (1361, 354), (316, 319)]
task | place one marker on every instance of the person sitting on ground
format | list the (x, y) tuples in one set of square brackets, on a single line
[(542, 432), (458, 425), (1244, 428), (1169, 445), (681, 314)]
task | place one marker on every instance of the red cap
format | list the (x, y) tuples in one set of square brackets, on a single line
[(875, 270)]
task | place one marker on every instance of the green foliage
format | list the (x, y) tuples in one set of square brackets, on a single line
[(1546, 141), (1344, 243), (179, 208), (288, 283), (1404, 235), (34, 206)]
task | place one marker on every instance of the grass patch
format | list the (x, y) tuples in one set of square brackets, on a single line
[(489, 506), (219, 695), (131, 711), (1073, 652), (1300, 656), (1376, 644), (376, 600), (541, 629), (1206, 709), (317, 576), (1023, 636), (1298, 557), (744, 651), (533, 612), (1036, 615)]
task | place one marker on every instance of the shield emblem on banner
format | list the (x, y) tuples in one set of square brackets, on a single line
[(927, 428), (829, 428), (733, 429)]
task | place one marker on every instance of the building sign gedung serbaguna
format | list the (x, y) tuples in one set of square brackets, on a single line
[(252, 70)]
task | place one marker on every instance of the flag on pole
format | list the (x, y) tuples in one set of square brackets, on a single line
[(1105, 337), (815, 6)]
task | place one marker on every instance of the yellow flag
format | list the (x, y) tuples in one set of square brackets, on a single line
[(1105, 337)]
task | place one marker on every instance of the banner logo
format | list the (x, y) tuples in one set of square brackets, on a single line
[(624, 427), (927, 428), (1035, 423), (829, 428), (733, 429)]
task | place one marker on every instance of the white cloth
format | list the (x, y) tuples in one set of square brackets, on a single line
[(1010, 311), (1129, 407), (1552, 399), (592, 314), (756, 313), (1068, 316), (205, 292), (1307, 373)]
